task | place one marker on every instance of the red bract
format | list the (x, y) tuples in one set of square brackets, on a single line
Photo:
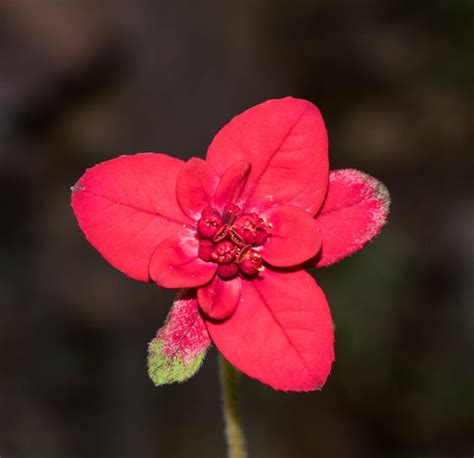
[(236, 230)]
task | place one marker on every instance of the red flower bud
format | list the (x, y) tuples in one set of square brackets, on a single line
[(246, 226), (230, 212), (250, 262), (209, 224), (206, 247), (224, 252), (227, 271), (261, 236)]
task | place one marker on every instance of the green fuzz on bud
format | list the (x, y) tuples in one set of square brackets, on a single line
[(179, 348), (164, 369)]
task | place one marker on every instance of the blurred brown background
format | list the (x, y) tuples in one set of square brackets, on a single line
[(83, 81)]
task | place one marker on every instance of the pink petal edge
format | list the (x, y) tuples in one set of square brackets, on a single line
[(184, 333), (354, 212), (179, 348)]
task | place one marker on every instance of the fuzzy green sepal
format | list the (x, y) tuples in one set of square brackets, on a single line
[(164, 369)]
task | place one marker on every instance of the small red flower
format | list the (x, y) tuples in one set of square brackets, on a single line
[(236, 231)]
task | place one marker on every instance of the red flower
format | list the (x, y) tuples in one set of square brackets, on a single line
[(237, 230)]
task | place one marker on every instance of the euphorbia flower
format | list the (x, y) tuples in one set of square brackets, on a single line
[(236, 232)]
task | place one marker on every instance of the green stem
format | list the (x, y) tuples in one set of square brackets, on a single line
[(229, 377)]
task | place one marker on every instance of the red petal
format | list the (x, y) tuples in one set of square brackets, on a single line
[(354, 212), (175, 263), (281, 332), (220, 298), (127, 206), (285, 140), (295, 237), (232, 184), (195, 187)]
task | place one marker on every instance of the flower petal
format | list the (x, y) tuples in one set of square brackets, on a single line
[(127, 206), (175, 263), (295, 237), (354, 212), (232, 184), (281, 333), (195, 187), (285, 140), (177, 351), (220, 298)]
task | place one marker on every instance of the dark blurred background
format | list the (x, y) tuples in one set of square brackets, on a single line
[(84, 81)]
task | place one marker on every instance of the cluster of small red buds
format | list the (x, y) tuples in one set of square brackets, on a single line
[(230, 240)]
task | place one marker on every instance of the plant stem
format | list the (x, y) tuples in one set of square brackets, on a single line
[(229, 377)]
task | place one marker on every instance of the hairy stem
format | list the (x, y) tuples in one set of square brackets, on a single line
[(229, 377)]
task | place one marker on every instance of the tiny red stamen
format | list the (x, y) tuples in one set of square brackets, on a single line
[(221, 233), (243, 252), (236, 238)]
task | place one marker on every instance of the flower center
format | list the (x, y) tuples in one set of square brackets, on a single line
[(232, 240)]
